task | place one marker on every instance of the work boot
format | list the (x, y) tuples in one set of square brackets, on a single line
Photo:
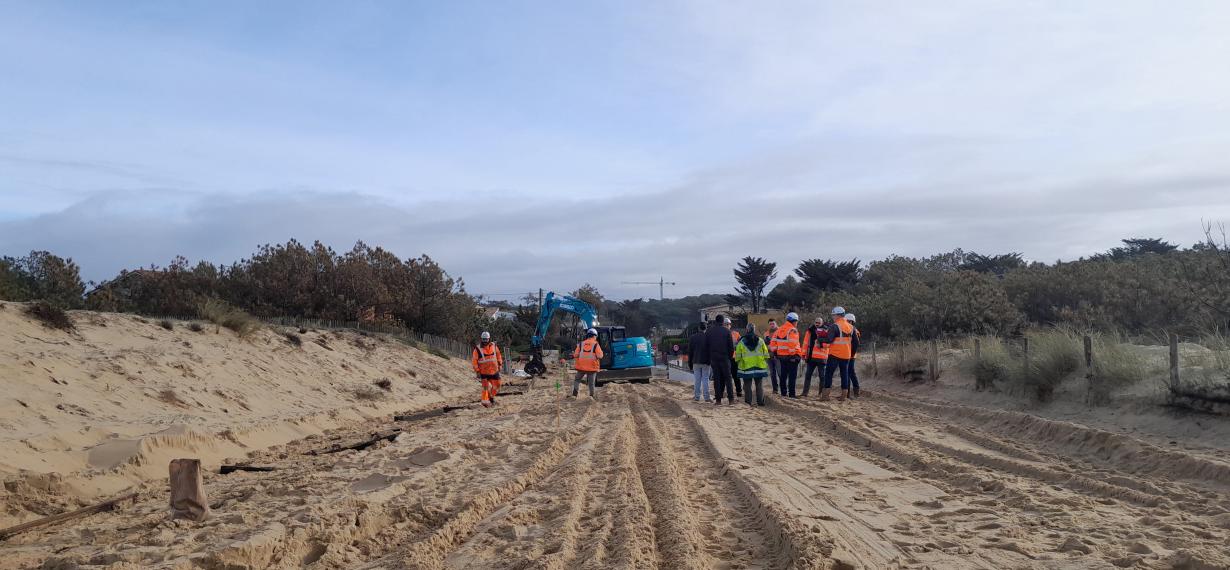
[(844, 394), (856, 391), (824, 394)]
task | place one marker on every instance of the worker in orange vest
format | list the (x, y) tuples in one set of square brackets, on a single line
[(855, 340), (841, 354), (815, 352), (734, 340), (487, 361), (784, 347), (588, 355)]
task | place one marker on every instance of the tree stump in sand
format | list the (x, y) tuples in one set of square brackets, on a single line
[(188, 499)]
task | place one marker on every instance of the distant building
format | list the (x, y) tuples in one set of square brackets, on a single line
[(708, 313), (494, 313)]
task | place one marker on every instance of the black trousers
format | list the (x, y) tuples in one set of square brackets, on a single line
[(738, 385), (787, 374), (816, 367), (722, 380), (773, 374)]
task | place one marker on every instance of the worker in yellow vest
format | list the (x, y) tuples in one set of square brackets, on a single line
[(841, 354), (752, 359), (487, 361), (588, 355)]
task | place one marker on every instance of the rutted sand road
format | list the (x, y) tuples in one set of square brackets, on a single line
[(645, 478)]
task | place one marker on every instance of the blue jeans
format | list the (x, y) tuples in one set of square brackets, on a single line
[(787, 375), (700, 380), (834, 365)]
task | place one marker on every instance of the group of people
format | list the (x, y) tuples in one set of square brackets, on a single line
[(738, 363), (487, 361)]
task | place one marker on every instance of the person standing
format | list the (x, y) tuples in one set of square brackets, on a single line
[(734, 340), (840, 352), (721, 349), (785, 348), (751, 356), (772, 361), (698, 363), (487, 360), (588, 355), (815, 353), (855, 340)]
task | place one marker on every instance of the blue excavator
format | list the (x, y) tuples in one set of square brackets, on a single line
[(624, 358)]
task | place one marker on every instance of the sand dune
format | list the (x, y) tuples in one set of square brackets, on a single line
[(90, 413)]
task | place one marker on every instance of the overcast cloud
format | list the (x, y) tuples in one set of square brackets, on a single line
[(526, 146)]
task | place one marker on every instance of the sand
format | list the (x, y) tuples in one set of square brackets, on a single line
[(642, 477), (89, 414)]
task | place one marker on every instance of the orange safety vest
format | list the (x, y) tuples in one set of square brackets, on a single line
[(588, 355), (785, 341), (840, 346), (487, 360), (819, 351)]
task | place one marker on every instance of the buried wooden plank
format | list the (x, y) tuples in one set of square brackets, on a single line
[(376, 438), (100, 507), (228, 469)]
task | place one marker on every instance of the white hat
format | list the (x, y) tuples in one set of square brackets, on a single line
[(592, 331), (838, 311), (850, 317), (485, 336), (792, 317)]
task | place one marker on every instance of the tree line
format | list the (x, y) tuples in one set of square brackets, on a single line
[(1147, 286), (364, 284)]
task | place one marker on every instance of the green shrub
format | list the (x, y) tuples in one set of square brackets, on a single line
[(908, 360), (195, 327), (1053, 356), (1116, 365), (994, 366), (166, 324), (220, 313), (50, 315)]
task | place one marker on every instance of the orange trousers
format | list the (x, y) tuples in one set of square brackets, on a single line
[(491, 389)]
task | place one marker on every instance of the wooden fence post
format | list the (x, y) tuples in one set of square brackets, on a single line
[(977, 349), (875, 362), (1089, 367), (1174, 363), (933, 361), (1029, 378)]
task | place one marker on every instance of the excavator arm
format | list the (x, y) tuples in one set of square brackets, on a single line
[(550, 305)]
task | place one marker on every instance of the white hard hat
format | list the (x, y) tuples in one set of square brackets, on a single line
[(819, 319), (792, 317), (592, 331), (485, 336), (838, 311), (850, 317), (726, 320)]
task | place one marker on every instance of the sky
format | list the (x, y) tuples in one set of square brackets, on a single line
[(528, 144)]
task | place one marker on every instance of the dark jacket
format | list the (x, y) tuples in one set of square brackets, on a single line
[(856, 339), (698, 351), (814, 334), (719, 343)]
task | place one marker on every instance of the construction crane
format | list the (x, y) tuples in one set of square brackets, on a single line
[(661, 283)]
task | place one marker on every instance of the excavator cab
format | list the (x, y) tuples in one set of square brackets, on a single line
[(609, 337)]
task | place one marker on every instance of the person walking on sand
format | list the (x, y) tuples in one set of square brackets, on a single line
[(855, 339), (588, 355), (721, 349), (751, 356), (840, 344), (487, 360), (734, 339), (772, 361), (815, 352), (698, 363), (784, 347)]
